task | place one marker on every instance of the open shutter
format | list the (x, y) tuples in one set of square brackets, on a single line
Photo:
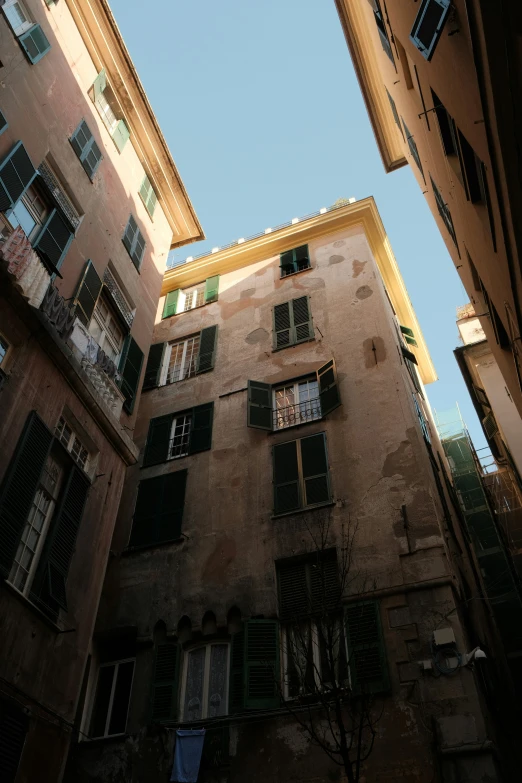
[(14, 724), (315, 469), (130, 233), (408, 335), (159, 509), (207, 348), (158, 439), (366, 651), (121, 135), (16, 174), (328, 387), (286, 263), (34, 43), (87, 293), (282, 325), (302, 319), (286, 477), (20, 484), (201, 428), (302, 257), (171, 303), (130, 369), (164, 695), (54, 238), (294, 601), (100, 83), (84, 145), (211, 289), (428, 25), (138, 249), (154, 364), (148, 195), (259, 411), (3, 123), (261, 664), (236, 682)]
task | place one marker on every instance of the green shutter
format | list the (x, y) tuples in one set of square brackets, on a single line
[(153, 368), (164, 697), (325, 588), (130, 233), (236, 683), (159, 509), (408, 335), (314, 463), (100, 83), (87, 293), (302, 320), (201, 428), (211, 289), (20, 484), (54, 239), (328, 387), (14, 724), (134, 241), (366, 651), (34, 43), (85, 146), (130, 369), (207, 348), (259, 405), (16, 174), (287, 264), (171, 303), (261, 664), (282, 325), (293, 591), (148, 196), (295, 260), (158, 440), (287, 496), (308, 587), (121, 135)]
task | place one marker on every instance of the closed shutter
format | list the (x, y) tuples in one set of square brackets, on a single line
[(324, 583), (302, 320), (395, 113), (159, 509), (315, 469), (294, 600), (413, 148), (134, 242), (34, 43), (211, 289), (99, 85), (171, 303), (207, 348), (130, 233), (121, 135), (282, 325), (164, 700), (54, 238), (16, 174), (85, 146), (3, 123), (428, 25), (259, 410), (366, 651), (20, 484), (308, 586), (286, 477), (201, 428), (87, 293), (328, 387), (14, 724), (148, 196), (286, 263), (262, 664), (158, 439), (130, 368), (153, 368), (236, 683)]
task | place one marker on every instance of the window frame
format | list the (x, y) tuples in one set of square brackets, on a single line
[(312, 622), (294, 261), (163, 379), (70, 444), (206, 678), (196, 291), (87, 149), (40, 220), (295, 383), (101, 666), (105, 334), (301, 480), (182, 414), (428, 52)]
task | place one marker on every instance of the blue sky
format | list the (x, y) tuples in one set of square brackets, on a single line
[(263, 114)]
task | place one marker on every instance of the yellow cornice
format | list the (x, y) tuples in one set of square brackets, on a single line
[(105, 44), (362, 213)]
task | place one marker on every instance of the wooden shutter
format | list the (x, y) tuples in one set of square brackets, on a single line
[(328, 387), (85, 146), (3, 123), (366, 651), (121, 135), (159, 509), (302, 319), (158, 440), (87, 293), (154, 364), (259, 405), (236, 682), (164, 698), (315, 469), (171, 303), (201, 428), (286, 477), (428, 25), (130, 369), (20, 484), (99, 85), (134, 241), (211, 289), (302, 257), (325, 591), (207, 348), (130, 232), (16, 174), (261, 664), (14, 724), (54, 238), (293, 592), (34, 43), (286, 263), (282, 326), (408, 335), (148, 195)]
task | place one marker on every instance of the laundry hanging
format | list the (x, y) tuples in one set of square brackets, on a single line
[(187, 755)]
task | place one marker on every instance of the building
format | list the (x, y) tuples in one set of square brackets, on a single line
[(284, 423), (90, 204), (439, 80)]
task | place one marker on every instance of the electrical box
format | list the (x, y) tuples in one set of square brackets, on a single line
[(443, 637)]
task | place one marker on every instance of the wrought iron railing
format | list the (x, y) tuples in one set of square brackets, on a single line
[(298, 413)]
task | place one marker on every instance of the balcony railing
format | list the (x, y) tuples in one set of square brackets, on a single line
[(298, 413)]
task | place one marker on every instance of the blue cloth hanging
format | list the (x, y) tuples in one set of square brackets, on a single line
[(187, 755)]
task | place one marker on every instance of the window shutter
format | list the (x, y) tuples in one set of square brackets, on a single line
[(211, 289), (201, 428), (54, 238), (121, 135), (282, 325), (207, 348), (328, 387), (81, 138), (14, 724), (134, 241), (259, 405), (100, 83), (428, 25), (159, 509), (408, 335), (84, 145), (324, 583), (236, 683), (315, 469), (164, 699), (34, 43), (366, 650), (394, 112), (286, 263), (16, 174), (130, 369), (20, 484), (153, 368), (413, 148), (294, 601), (3, 123), (148, 195), (171, 303), (87, 293), (129, 234), (286, 477), (60, 545), (158, 439), (302, 319), (261, 664)]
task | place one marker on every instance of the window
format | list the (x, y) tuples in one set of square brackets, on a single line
[(3, 123), (381, 27), (111, 702), (108, 109), (294, 261), (106, 330), (4, 348), (300, 474), (72, 443), (131, 362), (134, 242), (476, 181), (408, 335), (148, 196), (410, 360), (296, 403), (395, 112), (17, 16), (422, 420), (181, 359), (193, 297), (366, 650), (86, 148), (292, 323), (29, 213), (58, 189), (30, 35), (14, 724), (501, 335), (159, 510), (444, 212), (428, 25), (178, 434), (205, 682), (413, 148), (182, 300)]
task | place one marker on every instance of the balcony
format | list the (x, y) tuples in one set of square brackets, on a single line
[(24, 267), (298, 413)]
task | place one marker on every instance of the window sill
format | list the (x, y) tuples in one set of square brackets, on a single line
[(184, 312), (130, 550), (298, 424), (31, 606), (299, 272), (87, 741), (294, 345), (303, 510)]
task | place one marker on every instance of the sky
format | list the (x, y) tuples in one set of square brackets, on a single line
[(261, 109)]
